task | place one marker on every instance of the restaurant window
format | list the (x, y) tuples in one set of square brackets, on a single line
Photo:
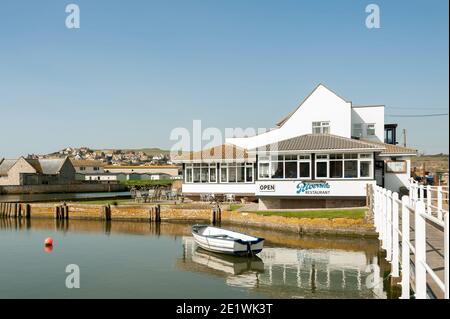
[(196, 173), (350, 169), (231, 173), (321, 127), (277, 166), (212, 173), (304, 170), (204, 174), (223, 173), (240, 173), (321, 169), (290, 166), (304, 166), (365, 169), (336, 169), (188, 173), (249, 172), (321, 166), (263, 170)]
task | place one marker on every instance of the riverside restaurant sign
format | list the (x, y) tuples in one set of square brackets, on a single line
[(356, 188)]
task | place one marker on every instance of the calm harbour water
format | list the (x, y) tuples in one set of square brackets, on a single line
[(140, 260)]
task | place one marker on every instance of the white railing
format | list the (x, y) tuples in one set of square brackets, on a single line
[(434, 197), (392, 222)]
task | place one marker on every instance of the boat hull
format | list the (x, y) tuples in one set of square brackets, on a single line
[(230, 247)]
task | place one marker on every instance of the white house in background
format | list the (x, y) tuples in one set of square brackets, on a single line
[(323, 154), (88, 166)]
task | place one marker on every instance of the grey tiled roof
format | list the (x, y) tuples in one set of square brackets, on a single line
[(317, 142), (393, 149), (47, 166)]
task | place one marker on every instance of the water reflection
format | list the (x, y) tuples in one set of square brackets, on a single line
[(289, 272), (165, 255), (62, 196)]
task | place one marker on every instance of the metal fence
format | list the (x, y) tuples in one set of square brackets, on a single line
[(396, 219)]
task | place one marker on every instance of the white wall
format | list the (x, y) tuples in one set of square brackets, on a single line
[(369, 115), (321, 105)]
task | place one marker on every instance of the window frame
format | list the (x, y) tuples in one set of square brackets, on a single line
[(322, 126)]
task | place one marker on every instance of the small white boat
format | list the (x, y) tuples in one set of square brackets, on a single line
[(226, 241)]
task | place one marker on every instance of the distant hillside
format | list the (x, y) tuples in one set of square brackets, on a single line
[(148, 151), (432, 163)]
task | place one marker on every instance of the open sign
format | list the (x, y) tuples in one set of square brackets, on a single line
[(267, 188)]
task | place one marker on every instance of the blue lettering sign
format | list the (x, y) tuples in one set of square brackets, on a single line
[(304, 187)]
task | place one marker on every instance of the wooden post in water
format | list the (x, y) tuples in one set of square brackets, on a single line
[(107, 212), (27, 211), (65, 214), (158, 214), (19, 210), (15, 210), (213, 216), (151, 214), (57, 212), (1, 209), (219, 214)]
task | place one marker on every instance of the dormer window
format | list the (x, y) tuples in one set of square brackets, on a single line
[(321, 127), (370, 129)]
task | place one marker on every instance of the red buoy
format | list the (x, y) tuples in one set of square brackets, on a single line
[(48, 241)]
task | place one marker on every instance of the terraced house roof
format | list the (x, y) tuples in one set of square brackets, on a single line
[(50, 166), (47, 166), (319, 142), (5, 165), (87, 163)]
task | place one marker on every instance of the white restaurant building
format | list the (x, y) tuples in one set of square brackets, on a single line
[(323, 154)]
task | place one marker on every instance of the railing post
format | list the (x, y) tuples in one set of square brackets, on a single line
[(405, 249), (420, 260), (429, 196), (383, 219), (395, 230), (389, 225), (446, 265), (439, 202), (421, 195)]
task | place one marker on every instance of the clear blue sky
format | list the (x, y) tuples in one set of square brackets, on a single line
[(137, 69)]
